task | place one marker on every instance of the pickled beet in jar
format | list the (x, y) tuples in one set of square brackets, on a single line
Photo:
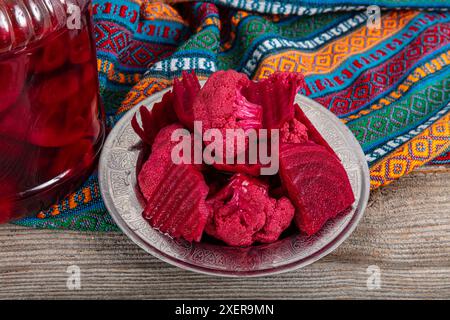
[(51, 122)]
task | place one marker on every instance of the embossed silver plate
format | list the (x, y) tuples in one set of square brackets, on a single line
[(118, 184)]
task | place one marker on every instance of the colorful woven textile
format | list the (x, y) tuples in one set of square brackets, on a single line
[(442, 159), (390, 84)]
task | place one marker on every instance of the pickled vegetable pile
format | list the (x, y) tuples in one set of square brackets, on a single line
[(233, 202)]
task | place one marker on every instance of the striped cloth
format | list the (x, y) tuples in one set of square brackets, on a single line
[(389, 82)]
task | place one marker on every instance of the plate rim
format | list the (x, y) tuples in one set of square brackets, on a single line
[(303, 262)]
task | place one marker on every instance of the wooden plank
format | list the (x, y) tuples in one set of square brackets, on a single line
[(405, 232)]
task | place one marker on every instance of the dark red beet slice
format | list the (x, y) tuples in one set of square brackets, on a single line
[(77, 155), (23, 165), (175, 193), (244, 213), (161, 115), (57, 89), (313, 134), (50, 124), (178, 206), (16, 122), (54, 131), (85, 103), (293, 131), (46, 123), (53, 55), (185, 91), (12, 154), (12, 79), (80, 47), (316, 182), (276, 95)]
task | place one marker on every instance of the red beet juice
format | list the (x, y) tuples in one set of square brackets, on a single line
[(51, 122)]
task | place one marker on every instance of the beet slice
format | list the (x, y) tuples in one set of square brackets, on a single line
[(175, 193), (80, 47), (47, 126), (276, 95), (86, 105), (78, 155), (64, 108), (293, 131), (56, 129), (178, 206), (185, 92), (56, 89), (316, 182), (13, 75), (12, 155), (53, 55), (24, 165), (161, 115), (313, 134), (243, 212), (16, 122)]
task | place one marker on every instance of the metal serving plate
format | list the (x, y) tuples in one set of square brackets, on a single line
[(118, 184)]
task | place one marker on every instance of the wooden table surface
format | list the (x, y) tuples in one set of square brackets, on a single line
[(405, 233)]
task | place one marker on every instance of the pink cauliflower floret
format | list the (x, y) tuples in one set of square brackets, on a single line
[(293, 131), (221, 105), (243, 212), (279, 216)]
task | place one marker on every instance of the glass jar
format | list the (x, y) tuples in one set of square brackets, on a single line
[(51, 121)]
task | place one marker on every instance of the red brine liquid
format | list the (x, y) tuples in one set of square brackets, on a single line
[(51, 123)]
